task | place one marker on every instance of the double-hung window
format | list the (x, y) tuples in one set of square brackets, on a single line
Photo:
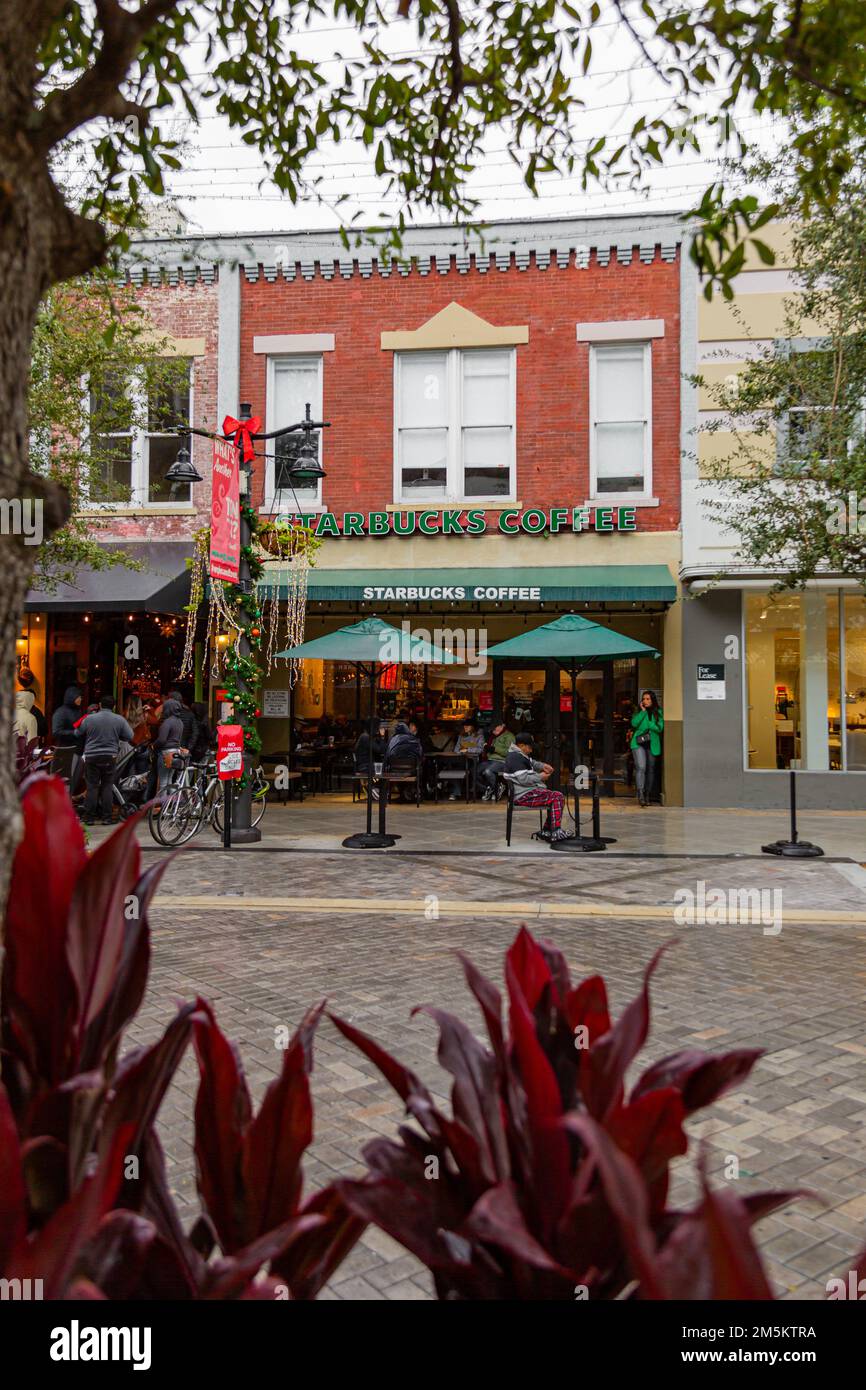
[(620, 402), (454, 425), (136, 431), (823, 422), (293, 383)]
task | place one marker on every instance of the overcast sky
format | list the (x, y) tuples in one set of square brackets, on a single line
[(223, 186)]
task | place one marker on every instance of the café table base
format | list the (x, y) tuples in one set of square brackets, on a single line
[(372, 839), (579, 844)]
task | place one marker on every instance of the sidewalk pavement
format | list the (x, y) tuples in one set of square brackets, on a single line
[(265, 936), (322, 822)]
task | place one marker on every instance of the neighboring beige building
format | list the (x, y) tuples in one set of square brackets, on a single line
[(789, 672)]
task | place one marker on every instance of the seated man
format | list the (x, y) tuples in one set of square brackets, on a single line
[(440, 739), (470, 741), (501, 740), (404, 745), (528, 778)]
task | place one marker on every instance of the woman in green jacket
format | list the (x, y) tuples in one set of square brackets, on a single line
[(647, 723)]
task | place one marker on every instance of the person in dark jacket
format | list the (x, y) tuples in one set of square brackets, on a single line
[(362, 753), (169, 738), (404, 745), (362, 747), (65, 718), (102, 733), (187, 718), (204, 735)]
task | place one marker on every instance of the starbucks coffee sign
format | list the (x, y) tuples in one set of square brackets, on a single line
[(514, 521)]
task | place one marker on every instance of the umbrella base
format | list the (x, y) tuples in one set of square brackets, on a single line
[(248, 835), (579, 844), (793, 849), (370, 840)]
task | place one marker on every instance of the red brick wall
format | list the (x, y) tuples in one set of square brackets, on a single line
[(552, 369), (182, 311)]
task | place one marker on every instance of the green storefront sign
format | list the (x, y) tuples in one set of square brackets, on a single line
[(530, 521)]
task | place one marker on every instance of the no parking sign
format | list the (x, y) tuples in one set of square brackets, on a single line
[(230, 751)]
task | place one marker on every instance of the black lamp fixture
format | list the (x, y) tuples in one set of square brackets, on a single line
[(183, 470), (305, 468)]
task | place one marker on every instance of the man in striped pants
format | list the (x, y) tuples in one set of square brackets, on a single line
[(529, 778)]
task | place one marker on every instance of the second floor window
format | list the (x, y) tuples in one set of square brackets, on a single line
[(293, 383), (135, 438), (620, 449), (823, 419), (454, 425)]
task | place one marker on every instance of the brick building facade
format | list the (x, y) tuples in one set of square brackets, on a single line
[(504, 443)]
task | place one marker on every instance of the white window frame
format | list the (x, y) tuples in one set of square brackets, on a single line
[(625, 498), (271, 504), (454, 480), (139, 453)]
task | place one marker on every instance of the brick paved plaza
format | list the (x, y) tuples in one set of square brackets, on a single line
[(264, 933)]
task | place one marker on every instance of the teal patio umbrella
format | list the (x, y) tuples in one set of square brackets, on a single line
[(574, 642), (372, 645)]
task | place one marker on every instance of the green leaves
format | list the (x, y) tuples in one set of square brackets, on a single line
[(428, 114), (795, 423)]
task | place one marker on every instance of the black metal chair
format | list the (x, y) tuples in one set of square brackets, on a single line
[(449, 775), (343, 769), (270, 762), (359, 776), (403, 772), (510, 803)]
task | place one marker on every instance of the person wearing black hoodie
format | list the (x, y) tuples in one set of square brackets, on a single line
[(169, 739), (187, 719), (404, 745), (65, 718), (205, 739)]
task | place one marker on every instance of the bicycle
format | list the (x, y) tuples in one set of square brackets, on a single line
[(194, 799), (258, 801), (179, 814)]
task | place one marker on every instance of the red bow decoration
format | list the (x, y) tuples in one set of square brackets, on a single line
[(243, 431)]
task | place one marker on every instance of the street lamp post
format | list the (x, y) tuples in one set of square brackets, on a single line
[(306, 466)]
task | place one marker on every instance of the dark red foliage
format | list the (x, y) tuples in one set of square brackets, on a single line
[(249, 1165), (547, 1180), (84, 1202)]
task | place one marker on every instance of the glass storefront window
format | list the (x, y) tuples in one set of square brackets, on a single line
[(855, 681), (793, 686), (523, 702)]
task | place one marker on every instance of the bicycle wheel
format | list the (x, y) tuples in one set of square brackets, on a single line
[(258, 806), (180, 816)]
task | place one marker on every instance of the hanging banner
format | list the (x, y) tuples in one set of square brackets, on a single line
[(225, 513)]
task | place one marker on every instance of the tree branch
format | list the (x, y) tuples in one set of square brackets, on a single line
[(96, 93)]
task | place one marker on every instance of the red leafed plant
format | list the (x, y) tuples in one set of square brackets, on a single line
[(549, 1180), (81, 1167)]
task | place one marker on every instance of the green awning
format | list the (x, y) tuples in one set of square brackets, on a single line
[(587, 583)]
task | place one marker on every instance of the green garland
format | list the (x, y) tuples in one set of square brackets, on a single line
[(239, 668), (245, 668)]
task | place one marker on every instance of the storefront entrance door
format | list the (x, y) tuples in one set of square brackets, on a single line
[(526, 697), (537, 699)]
